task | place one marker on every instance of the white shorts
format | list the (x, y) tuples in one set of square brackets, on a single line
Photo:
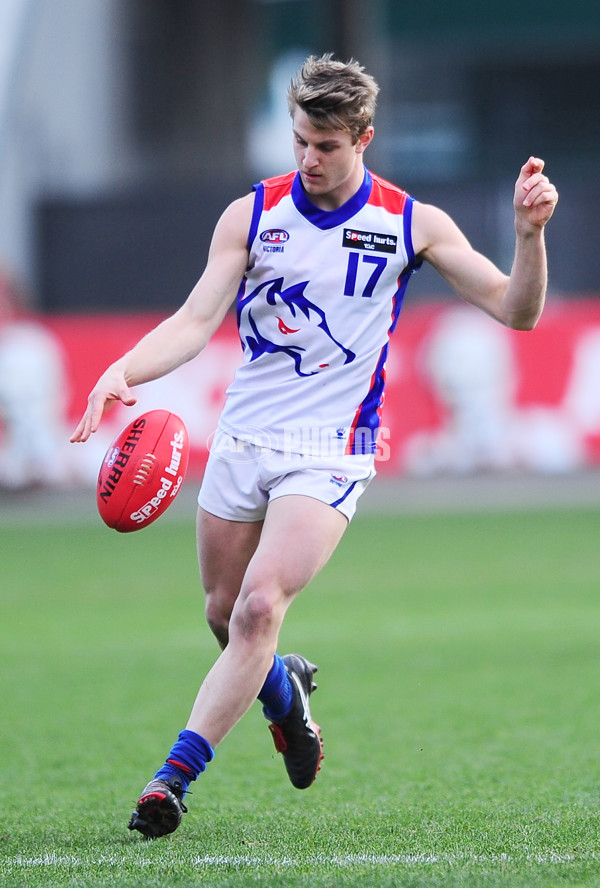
[(241, 479)]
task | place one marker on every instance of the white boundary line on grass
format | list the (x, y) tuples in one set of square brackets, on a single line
[(348, 860), (551, 857)]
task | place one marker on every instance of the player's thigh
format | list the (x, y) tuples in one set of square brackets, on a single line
[(298, 537), (225, 549)]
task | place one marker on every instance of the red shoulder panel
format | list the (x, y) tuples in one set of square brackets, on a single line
[(276, 188), (388, 196)]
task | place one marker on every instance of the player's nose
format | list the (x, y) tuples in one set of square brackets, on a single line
[(310, 158)]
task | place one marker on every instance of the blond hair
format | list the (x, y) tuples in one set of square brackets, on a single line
[(335, 95)]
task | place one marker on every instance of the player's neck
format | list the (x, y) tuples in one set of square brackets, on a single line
[(341, 194)]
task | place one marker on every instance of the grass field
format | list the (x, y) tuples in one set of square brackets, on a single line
[(458, 695)]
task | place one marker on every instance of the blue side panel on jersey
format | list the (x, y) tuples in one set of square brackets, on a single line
[(368, 417), (238, 300), (327, 219), (259, 201), (399, 295), (412, 266), (408, 243)]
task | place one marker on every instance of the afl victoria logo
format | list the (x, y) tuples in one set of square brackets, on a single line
[(274, 236)]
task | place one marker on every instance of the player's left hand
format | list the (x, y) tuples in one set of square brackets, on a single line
[(535, 195)]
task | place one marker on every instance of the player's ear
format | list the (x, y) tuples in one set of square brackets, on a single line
[(364, 140)]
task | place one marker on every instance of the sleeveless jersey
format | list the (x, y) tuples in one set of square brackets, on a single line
[(315, 309)]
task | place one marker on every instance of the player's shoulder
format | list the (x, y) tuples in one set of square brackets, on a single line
[(285, 180), (231, 230), (238, 212), (431, 224), (387, 195), (272, 190)]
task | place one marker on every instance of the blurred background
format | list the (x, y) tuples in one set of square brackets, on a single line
[(126, 126)]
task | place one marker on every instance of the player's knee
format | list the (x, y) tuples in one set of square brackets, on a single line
[(258, 614)]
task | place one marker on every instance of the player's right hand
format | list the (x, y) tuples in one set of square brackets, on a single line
[(110, 388), (535, 196)]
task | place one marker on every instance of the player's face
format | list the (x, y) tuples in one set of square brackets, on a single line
[(330, 164)]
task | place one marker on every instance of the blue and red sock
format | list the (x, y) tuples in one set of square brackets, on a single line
[(187, 759), (276, 694)]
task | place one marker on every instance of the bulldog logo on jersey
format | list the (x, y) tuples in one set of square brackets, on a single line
[(276, 319)]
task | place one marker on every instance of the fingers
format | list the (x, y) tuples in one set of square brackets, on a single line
[(100, 400), (532, 180), (90, 420), (533, 165), (534, 193), (80, 435), (538, 191)]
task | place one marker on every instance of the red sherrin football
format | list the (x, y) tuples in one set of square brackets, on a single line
[(143, 471)]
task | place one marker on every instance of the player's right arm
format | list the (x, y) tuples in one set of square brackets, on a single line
[(185, 333)]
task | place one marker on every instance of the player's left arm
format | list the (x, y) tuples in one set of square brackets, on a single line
[(516, 300)]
